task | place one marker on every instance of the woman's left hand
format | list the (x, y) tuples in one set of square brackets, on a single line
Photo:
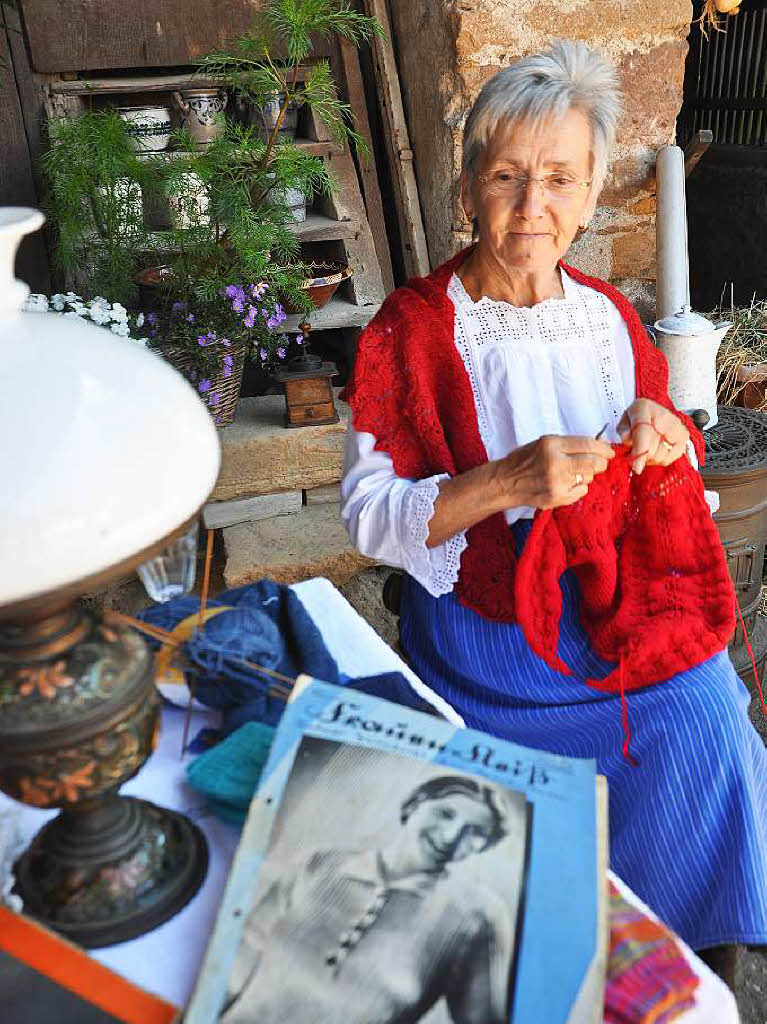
[(656, 436)]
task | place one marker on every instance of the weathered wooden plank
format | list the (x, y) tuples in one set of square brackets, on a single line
[(219, 514), (137, 83), (416, 254), (80, 35), (17, 184), (337, 313), (347, 67)]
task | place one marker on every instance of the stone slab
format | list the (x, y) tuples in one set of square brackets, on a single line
[(219, 514), (331, 494), (289, 549), (262, 456)]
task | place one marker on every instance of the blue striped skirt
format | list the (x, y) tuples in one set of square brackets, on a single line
[(688, 826)]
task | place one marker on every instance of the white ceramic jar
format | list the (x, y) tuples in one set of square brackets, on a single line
[(148, 127)]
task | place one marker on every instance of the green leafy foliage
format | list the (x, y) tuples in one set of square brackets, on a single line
[(95, 187)]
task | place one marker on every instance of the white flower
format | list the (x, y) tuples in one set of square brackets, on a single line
[(99, 300), (140, 320), (36, 303), (122, 329), (72, 296), (119, 312), (99, 315), (58, 301)]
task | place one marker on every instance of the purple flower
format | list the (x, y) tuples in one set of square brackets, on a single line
[(228, 360), (238, 305), (300, 339), (213, 399), (178, 307), (190, 318), (226, 342), (264, 312), (227, 371), (232, 291), (151, 318), (250, 319), (281, 353), (203, 386), (264, 355), (201, 341), (258, 290), (211, 335)]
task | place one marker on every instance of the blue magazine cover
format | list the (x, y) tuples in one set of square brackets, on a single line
[(395, 868)]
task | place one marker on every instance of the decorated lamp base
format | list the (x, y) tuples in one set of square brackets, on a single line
[(107, 872), (79, 715)]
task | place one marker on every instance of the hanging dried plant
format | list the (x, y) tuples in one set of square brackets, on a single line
[(709, 16)]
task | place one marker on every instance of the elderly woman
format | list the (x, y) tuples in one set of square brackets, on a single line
[(382, 936), (511, 421)]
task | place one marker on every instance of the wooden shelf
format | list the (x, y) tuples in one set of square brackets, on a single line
[(318, 228), (337, 313), (321, 149), (139, 83)]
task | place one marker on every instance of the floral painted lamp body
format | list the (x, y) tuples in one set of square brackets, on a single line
[(109, 456)]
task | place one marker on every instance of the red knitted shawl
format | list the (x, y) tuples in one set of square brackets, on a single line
[(656, 591)]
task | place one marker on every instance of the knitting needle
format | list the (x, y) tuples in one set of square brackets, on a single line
[(604, 428)]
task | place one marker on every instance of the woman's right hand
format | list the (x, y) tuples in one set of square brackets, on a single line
[(552, 471)]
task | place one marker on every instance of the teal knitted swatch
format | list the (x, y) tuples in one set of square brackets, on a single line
[(228, 773)]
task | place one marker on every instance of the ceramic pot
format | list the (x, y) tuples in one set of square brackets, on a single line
[(322, 285), (189, 206), (264, 117), (753, 394), (200, 111), (148, 127), (292, 198)]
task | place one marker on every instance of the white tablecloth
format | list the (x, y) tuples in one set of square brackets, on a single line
[(166, 961)]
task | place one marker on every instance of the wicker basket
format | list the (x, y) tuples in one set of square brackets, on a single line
[(227, 388)]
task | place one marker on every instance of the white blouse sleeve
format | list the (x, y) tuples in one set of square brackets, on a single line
[(387, 517)]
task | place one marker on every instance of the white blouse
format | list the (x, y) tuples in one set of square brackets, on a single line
[(563, 366)]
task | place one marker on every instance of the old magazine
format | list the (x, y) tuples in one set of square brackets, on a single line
[(395, 868)]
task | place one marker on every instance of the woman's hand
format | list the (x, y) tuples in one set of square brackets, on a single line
[(552, 471), (656, 436)]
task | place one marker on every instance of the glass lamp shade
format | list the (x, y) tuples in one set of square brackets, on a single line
[(106, 449)]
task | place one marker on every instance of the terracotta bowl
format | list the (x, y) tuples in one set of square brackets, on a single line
[(322, 285)]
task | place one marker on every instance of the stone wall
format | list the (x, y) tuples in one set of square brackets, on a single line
[(448, 48)]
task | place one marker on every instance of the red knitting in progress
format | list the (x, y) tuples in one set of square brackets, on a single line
[(656, 596)]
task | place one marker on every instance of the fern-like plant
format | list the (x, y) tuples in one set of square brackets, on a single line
[(95, 183), (250, 70)]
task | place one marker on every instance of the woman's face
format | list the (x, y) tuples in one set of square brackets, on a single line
[(449, 829), (529, 225)]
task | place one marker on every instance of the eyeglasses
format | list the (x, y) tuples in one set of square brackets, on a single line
[(555, 186)]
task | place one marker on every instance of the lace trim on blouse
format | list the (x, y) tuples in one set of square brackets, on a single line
[(434, 568)]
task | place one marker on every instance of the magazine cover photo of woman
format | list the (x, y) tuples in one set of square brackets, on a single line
[(391, 893)]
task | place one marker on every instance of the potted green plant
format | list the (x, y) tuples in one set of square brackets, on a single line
[(97, 186)]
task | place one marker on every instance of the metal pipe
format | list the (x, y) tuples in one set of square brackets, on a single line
[(673, 286)]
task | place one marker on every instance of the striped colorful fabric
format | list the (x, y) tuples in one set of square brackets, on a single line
[(648, 979), (688, 827)]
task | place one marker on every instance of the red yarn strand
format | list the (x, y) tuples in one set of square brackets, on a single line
[(626, 731), (751, 655)]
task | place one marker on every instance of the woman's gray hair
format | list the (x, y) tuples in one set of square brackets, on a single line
[(567, 76)]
